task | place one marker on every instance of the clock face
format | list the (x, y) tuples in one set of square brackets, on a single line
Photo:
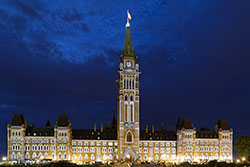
[(129, 64)]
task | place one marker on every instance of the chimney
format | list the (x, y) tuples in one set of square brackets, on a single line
[(146, 128), (94, 127), (153, 128), (101, 127)]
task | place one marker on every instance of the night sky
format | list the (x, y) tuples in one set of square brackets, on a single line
[(63, 56)]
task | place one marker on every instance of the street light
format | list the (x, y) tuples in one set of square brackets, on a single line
[(243, 158), (4, 158), (238, 161)]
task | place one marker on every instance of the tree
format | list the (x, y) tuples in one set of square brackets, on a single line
[(242, 145)]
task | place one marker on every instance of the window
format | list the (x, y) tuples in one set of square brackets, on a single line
[(173, 150), (156, 150), (145, 150), (110, 149), (86, 149), (34, 155), (162, 150), (92, 149), (79, 149), (86, 157), (110, 156), (104, 149), (80, 156), (129, 137), (126, 98), (73, 149), (131, 98), (79, 143), (92, 157), (60, 155), (167, 150)]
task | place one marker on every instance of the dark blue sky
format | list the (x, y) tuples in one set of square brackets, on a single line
[(62, 56)]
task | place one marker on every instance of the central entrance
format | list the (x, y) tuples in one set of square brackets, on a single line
[(129, 156)]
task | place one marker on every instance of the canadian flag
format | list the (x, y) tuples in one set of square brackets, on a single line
[(129, 16)]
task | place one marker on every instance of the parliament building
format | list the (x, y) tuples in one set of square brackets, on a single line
[(125, 139)]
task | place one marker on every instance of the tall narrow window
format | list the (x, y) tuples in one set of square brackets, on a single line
[(127, 84), (132, 113), (129, 137), (124, 82), (131, 98), (125, 112)]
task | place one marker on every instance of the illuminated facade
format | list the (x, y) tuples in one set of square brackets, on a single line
[(123, 140)]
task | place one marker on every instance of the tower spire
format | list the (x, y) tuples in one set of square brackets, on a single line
[(128, 49)]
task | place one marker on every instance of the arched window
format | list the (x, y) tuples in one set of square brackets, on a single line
[(131, 98), (13, 155), (34, 155), (80, 156), (53, 155), (129, 137), (86, 157), (110, 156), (92, 157), (46, 155), (27, 156), (126, 98)]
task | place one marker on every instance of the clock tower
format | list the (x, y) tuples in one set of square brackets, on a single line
[(128, 102)]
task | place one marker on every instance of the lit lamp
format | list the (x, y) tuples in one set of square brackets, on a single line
[(238, 161), (4, 158), (128, 156), (243, 158)]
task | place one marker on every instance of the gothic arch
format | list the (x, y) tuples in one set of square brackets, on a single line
[(129, 138)]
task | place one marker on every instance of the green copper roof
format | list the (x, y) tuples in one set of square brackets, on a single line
[(128, 49)]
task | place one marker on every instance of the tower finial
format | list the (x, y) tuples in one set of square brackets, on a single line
[(128, 18)]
